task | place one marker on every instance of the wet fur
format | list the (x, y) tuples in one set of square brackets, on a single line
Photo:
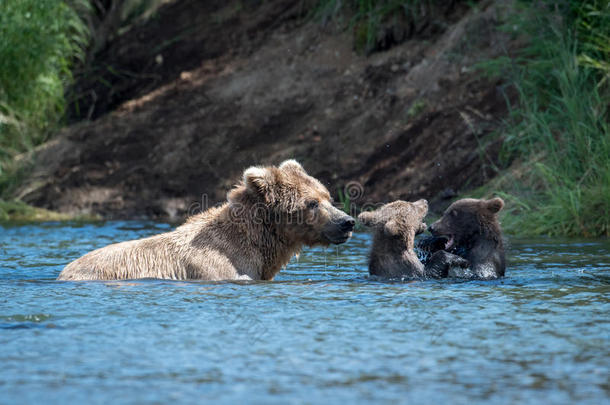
[(265, 221), (392, 254), (478, 237)]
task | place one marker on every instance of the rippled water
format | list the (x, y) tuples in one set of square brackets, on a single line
[(322, 332)]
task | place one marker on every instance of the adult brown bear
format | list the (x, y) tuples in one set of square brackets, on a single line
[(268, 217)]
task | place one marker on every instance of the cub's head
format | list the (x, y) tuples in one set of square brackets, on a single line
[(468, 219), (298, 205), (398, 219)]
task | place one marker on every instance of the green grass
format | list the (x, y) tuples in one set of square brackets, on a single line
[(558, 134), (40, 40), (416, 108), (17, 211), (365, 17), (344, 200)]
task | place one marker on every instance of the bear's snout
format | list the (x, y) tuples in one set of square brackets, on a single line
[(339, 229), (437, 229), (347, 224)]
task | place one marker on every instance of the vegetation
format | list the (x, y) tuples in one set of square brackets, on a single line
[(39, 42), (367, 16), (18, 211), (558, 134), (557, 142), (556, 156)]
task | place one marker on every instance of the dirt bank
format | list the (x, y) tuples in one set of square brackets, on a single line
[(205, 89)]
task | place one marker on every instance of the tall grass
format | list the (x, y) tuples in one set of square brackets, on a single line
[(559, 131), (39, 42), (366, 16)]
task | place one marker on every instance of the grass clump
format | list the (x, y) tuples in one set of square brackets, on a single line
[(366, 17), (17, 211), (558, 134), (40, 40)]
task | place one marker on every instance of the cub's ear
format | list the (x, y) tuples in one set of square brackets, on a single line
[(421, 206), (368, 218), (258, 179), (494, 205), (291, 164)]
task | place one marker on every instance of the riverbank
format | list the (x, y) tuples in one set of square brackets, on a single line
[(406, 122), (379, 107)]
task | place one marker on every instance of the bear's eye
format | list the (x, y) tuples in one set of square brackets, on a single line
[(313, 204)]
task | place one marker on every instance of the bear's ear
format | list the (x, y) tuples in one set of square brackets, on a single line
[(494, 205), (368, 218), (291, 164), (258, 179)]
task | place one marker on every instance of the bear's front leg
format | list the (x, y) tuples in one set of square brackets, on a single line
[(440, 262)]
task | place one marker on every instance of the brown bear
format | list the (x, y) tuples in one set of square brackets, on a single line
[(268, 217), (471, 229), (392, 254)]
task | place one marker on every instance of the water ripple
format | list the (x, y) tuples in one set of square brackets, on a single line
[(322, 330)]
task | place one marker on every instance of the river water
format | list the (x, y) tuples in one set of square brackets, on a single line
[(322, 332)]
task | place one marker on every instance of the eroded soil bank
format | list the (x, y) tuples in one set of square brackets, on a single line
[(182, 103)]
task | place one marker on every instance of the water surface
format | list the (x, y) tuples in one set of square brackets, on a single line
[(321, 332)]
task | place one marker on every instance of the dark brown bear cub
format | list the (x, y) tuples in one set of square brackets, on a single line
[(471, 229), (393, 255)]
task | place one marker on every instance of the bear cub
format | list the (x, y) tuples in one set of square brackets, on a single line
[(470, 228), (393, 254)]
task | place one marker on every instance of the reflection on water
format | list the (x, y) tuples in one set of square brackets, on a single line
[(321, 331)]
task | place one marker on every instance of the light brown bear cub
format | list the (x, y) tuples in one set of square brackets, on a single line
[(393, 254), (268, 217)]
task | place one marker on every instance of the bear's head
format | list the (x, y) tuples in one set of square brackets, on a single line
[(399, 219), (295, 204), (468, 219)]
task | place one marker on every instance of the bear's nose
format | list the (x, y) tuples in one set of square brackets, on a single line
[(347, 224), (431, 228)]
